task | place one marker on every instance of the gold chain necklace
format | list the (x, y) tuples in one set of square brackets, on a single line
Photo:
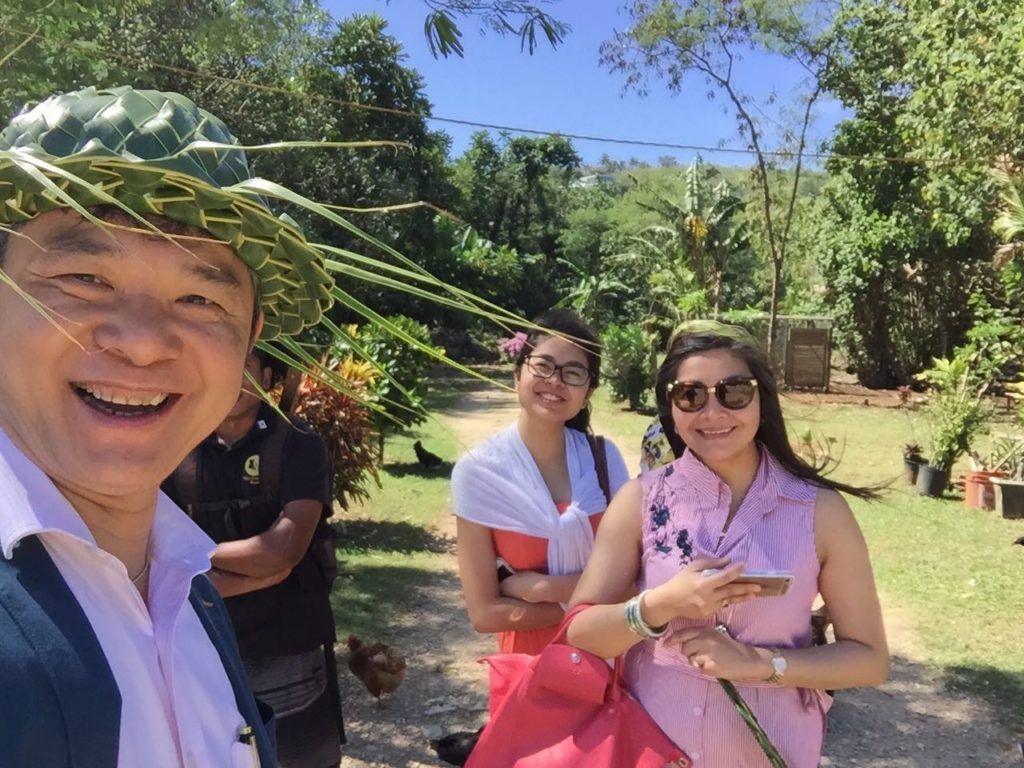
[(145, 569)]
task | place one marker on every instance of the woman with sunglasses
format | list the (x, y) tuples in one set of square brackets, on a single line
[(678, 539), (531, 495)]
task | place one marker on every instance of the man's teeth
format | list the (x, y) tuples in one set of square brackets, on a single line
[(118, 398)]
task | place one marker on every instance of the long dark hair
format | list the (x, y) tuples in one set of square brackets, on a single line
[(771, 433), (561, 323)]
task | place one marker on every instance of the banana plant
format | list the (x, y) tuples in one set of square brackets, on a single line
[(705, 227), (591, 292)]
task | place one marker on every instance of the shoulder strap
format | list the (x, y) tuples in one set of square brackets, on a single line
[(186, 480), (68, 662), (207, 604), (597, 447), (272, 457)]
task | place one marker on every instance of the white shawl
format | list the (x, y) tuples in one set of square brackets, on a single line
[(498, 485)]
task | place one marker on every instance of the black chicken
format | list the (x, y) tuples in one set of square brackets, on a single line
[(455, 748), (425, 457)]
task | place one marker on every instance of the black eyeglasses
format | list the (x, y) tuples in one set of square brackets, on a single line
[(734, 393), (572, 374)]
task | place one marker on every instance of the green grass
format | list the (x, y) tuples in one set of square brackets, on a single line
[(952, 571), (389, 547)]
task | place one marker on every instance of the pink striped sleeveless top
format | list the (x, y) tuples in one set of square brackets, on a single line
[(684, 510)]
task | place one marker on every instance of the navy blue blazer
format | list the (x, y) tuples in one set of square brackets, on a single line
[(59, 704)]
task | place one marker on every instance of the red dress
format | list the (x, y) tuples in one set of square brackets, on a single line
[(528, 553)]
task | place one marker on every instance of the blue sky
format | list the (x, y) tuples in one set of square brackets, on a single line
[(567, 90)]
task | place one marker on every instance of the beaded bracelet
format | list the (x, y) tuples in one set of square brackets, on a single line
[(636, 621)]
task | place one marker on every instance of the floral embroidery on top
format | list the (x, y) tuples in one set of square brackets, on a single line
[(667, 536), (684, 545)]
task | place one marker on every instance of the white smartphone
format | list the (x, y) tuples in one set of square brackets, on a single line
[(772, 583)]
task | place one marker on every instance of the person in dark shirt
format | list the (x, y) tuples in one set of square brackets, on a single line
[(260, 487)]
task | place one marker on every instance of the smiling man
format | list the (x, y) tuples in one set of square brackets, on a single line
[(123, 341)]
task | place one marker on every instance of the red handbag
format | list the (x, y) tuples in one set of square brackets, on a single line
[(566, 708)]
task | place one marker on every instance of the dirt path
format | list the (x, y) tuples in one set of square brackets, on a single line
[(911, 722)]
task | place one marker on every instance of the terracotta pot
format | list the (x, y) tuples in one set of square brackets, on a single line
[(979, 492)]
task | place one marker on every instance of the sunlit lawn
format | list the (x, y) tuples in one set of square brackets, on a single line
[(954, 572)]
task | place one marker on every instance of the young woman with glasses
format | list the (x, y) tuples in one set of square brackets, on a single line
[(528, 499), (677, 540)]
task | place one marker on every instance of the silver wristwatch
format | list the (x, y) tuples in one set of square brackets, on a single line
[(778, 667)]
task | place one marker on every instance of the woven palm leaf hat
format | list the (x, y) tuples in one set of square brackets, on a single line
[(158, 153)]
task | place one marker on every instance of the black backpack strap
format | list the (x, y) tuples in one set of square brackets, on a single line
[(207, 604), (186, 480), (272, 456), (597, 447)]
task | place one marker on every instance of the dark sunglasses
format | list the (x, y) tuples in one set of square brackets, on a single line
[(734, 393), (571, 374)]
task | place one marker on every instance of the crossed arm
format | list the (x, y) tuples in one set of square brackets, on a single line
[(526, 600), (266, 559)]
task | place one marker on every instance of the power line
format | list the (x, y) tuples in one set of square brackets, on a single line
[(779, 154)]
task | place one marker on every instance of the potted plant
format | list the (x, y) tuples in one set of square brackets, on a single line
[(979, 493), (1009, 490), (955, 414), (912, 461)]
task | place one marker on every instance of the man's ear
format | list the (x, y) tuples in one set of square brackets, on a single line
[(266, 377), (257, 326)]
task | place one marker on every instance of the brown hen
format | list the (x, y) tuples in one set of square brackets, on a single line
[(380, 667)]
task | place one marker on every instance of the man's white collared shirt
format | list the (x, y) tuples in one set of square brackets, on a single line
[(177, 706)]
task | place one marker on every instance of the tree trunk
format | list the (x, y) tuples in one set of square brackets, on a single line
[(773, 314)]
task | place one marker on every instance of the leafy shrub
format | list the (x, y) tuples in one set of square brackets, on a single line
[(398, 388), (626, 364), (346, 426), (956, 413)]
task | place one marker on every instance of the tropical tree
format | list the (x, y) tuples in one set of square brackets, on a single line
[(709, 38), (592, 294), (514, 192), (705, 227), (199, 46), (906, 215), (1009, 224), (670, 292), (525, 20)]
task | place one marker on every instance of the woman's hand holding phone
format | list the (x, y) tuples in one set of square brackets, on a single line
[(695, 596), (772, 583)]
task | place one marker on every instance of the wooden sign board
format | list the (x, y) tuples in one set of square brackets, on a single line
[(808, 358)]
